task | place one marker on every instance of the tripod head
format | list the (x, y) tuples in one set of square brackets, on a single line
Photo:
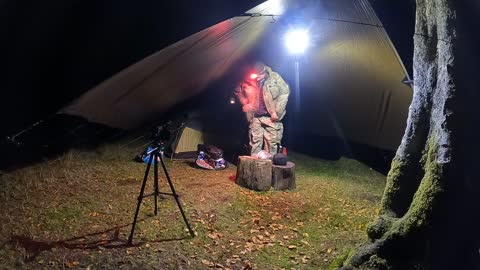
[(160, 134)]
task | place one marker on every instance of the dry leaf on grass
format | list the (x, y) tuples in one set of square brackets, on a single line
[(214, 235), (208, 263), (276, 216), (71, 264)]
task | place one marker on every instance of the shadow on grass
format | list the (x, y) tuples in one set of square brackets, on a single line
[(192, 164), (34, 247)]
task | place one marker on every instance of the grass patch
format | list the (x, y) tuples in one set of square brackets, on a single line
[(77, 211), (57, 219)]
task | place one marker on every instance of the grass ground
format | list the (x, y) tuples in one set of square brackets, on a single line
[(74, 212)]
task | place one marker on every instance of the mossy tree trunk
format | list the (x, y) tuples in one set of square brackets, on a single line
[(422, 206)]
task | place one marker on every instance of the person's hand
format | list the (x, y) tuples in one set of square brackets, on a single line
[(247, 107), (274, 117)]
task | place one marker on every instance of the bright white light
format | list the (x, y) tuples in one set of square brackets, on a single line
[(276, 7), (297, 41), (271, 7)]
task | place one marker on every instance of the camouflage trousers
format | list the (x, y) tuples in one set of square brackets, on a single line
[(265, 134)]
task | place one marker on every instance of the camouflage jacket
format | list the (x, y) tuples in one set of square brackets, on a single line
[(275, 94)]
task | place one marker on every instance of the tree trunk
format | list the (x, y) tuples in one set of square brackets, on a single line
[(422, 205), (254, 173), (283, 177)]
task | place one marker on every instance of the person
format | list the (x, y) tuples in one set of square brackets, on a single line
[(264, 96)]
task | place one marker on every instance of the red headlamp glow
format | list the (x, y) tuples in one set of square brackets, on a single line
[(253, 76)]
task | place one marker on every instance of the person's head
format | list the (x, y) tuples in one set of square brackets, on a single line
[(260, 69)]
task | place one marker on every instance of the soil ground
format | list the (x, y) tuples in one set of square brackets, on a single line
[(75, 212)]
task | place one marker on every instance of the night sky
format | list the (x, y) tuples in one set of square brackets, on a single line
[(55, 50)]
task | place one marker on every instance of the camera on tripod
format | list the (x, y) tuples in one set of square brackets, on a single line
[(161, 133), (154, 156)]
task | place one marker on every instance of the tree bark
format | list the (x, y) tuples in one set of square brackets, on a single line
[(254, 173), (283, 177), (421, 203)]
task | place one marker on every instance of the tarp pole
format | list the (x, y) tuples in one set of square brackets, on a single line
[(297, 85)]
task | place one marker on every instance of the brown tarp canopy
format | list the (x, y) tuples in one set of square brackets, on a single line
[(351, 69)]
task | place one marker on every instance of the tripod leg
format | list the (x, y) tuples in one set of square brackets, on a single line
[(140, 198), (175, 195), (155, 181)]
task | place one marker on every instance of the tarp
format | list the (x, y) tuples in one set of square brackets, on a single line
[(351, 76)]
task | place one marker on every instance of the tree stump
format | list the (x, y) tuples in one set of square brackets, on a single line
[(253, 173), (283, 177)]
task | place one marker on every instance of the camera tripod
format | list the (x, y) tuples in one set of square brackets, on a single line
[(156, 154)]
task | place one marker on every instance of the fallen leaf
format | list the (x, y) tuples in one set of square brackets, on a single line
[(71, 264), (247, 266), (208, 263), (276, 216), (292, 247), (212, 235)]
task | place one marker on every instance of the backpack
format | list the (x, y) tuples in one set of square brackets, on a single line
[(210, 157), (214, 152)]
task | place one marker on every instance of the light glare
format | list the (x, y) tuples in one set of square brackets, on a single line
[(276, 7), (297, 41)]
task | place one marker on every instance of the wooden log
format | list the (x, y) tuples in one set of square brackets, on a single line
[(253, 173), (283, 177)]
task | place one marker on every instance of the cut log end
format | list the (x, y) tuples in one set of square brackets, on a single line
[(261, 175), (253, 173), (283, 177)]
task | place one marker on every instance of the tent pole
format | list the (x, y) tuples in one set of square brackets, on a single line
[(297, 85), (294, 118)]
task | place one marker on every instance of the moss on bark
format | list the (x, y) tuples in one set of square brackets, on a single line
[(408, 229), (425, 162)]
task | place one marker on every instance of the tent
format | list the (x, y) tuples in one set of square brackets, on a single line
[(351, 79), (188, 140), (190, 134)]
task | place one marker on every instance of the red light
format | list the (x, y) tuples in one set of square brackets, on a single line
[(253, 76)]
